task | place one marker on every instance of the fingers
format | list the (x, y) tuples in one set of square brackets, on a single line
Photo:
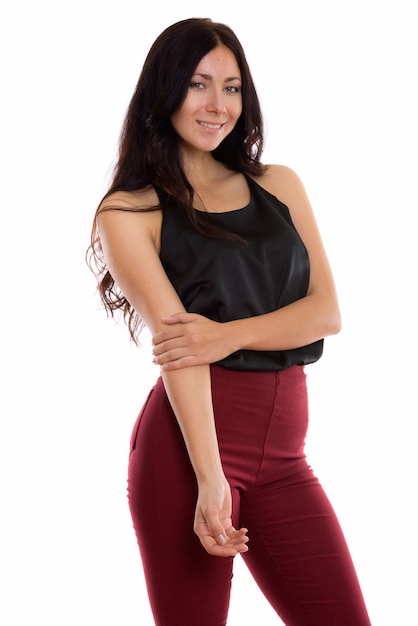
[(213, 523), (179, 318), (225, 546), (172, 338), (177, 351), (229, 542), (177, 359), (188, 361), (172, 344), (169, 346)]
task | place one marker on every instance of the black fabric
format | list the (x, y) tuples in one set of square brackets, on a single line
[(226, 280)]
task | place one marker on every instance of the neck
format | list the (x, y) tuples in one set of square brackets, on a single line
[(200, 167)]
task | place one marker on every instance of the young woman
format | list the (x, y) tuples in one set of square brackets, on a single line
[(221, 258)]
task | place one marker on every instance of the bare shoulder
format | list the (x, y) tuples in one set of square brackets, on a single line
[(131, 210), (284, 183), (142, 199)]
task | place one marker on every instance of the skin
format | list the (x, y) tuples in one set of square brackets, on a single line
[(185, 344)]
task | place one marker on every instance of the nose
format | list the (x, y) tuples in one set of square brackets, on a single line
[(216, 102)]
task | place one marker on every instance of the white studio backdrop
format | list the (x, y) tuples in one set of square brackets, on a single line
[(337, 82)]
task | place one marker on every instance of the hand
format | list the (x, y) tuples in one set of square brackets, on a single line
[(213, 523), (190, 339)]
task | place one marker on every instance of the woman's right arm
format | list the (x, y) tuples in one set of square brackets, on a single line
[(130, 246)]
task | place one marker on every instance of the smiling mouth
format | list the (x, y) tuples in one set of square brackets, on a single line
[(211, 126)]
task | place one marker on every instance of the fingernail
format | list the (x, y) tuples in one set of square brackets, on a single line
[(221, 539)]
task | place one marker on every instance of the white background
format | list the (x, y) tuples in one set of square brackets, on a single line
[(337, 82)]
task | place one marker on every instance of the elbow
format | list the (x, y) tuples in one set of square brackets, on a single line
[(336, 326), (327, 316), (334, 322)]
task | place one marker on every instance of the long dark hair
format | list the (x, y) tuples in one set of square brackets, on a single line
[(149, 153)]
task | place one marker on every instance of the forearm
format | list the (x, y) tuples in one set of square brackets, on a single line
[(292, 326), (189, 392)]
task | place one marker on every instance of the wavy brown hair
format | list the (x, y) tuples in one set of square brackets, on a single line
[(149, 153)]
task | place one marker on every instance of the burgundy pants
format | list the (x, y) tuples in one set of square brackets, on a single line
[(297, 552)]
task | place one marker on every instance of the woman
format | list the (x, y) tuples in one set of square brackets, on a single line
[(220, 257)]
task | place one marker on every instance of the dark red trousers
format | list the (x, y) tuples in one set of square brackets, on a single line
[(297, 552)]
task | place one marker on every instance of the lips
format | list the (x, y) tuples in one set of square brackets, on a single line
[(210, 125)]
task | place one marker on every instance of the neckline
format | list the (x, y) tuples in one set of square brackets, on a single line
[(246, 206)]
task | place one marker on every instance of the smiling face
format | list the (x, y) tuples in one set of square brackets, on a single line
[(213, 102)]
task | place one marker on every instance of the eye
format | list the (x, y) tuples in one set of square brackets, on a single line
[(233, 89), (197, 85)]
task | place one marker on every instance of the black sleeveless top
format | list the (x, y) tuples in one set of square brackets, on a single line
[(226, 280)]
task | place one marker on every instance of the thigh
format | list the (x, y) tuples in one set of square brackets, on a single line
[(298, 554), (186, 586)]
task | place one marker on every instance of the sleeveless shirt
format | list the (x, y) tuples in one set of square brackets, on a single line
[(226, 280)]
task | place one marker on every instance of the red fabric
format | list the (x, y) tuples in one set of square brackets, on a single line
[(297, 553)]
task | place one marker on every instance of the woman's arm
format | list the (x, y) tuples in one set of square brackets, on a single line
[(129, 241), (190, 339)]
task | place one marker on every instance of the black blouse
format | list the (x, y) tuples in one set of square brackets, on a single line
[(226, 280)]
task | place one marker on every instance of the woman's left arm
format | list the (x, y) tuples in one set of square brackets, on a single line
[(191, 339)]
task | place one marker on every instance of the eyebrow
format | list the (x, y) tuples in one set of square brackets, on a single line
[(209, 77)]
